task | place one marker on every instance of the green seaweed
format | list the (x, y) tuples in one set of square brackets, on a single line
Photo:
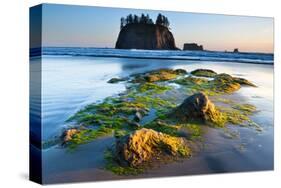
[(115, 114), (224, 100), (113, 166), (246, 108), (86, 135), (195, 130), (153, 88), (203, 73), (189, 81), (161, 126), (120, 133)]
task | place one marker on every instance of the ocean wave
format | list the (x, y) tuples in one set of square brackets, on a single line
[(244, 57)]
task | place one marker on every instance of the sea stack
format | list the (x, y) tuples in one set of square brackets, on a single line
[(236, 50), (142, 33), (193, 47)]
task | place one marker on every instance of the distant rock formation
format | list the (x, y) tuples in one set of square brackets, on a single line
[(192, 46), (236, 50), (145, 36)]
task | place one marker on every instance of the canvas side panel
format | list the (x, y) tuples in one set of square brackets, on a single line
[(35, 84)]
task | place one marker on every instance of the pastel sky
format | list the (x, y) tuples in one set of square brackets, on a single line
[(86, 26)]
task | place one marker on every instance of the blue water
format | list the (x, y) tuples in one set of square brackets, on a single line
[(74, 77), (264, 58), (71, 82)]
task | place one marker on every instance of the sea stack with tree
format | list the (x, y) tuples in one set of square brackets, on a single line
[(142, 33)]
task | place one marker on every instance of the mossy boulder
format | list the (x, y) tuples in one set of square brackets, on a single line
[(227, 87), (158, 75), (180, 71), (198, 107), (225, 83), (228, 78), (203, 73), (144, 145), (228, 84)]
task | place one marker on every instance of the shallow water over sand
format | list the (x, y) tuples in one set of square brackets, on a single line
[(69, 83)]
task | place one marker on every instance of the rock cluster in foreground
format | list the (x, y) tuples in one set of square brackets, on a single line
[(150, 95), (145, 145)]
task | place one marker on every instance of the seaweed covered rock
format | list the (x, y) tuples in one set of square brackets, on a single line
[(144, 145), (180, 71), (243, 81), (158, 75), (225, 83), (228, 84), (228, 78), (191, 81), (203, 73), (68, 135), (198, 107)]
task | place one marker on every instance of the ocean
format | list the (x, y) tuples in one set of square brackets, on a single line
[(75, 77)]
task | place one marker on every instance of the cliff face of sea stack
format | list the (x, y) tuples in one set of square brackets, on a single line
[(145, 36)]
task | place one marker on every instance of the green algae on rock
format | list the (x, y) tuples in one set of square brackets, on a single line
[(198, 107), (69, 134), (194, 131), (239, 115), (146, 144), (164, 127), (152, 87), (220, 84), (226, 78), (191, 81), (203, 73), (84, 136), (150, 121), (123, 114), (246, 108), (158, 75), (243, 81)]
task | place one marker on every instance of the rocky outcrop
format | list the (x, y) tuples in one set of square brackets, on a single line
[(243, 81), (192, 47), (197, 107), (144, 145), (236, 50), (228, 84), (68, 135), (203, 73), (158, 75), (145, 36)]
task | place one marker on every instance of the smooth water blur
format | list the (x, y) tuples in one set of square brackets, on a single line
[(69, 83)]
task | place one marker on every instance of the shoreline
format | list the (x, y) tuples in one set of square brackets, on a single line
[(157, 58)]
